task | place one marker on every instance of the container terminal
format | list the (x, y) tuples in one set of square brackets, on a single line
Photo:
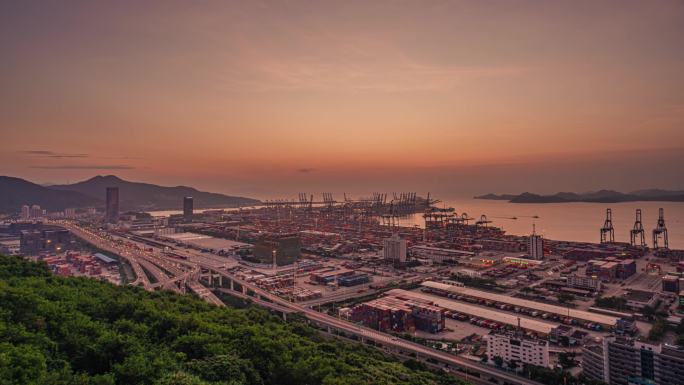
[(458, 283)]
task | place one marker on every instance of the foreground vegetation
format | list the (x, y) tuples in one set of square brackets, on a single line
[(57, 330)]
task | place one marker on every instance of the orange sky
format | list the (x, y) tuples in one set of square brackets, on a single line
[(270, 97)]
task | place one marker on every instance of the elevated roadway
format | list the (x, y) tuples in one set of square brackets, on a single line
[(103, 244), (402, 346)]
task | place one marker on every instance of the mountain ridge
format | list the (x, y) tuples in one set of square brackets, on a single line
[(148, 196), (600, 196), (16, 192)]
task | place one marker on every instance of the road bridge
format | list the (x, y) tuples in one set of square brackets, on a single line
[(384, 340)]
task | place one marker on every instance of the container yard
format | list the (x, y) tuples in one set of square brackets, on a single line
[(73, 263), (452, 280)]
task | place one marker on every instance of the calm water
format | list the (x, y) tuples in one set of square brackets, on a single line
[(571, 221), (564, 221)]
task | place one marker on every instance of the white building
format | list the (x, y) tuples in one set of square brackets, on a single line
[(70, 212), (518, 348), (535, 246), (36, 211), (25, 212), (587, 283), (469, 273), (395, 249)]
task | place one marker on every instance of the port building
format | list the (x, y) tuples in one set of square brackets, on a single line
[(285, 249), (580, 315), (534, 325), (394, 249)]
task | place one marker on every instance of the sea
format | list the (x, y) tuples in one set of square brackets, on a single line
[(562, 221)]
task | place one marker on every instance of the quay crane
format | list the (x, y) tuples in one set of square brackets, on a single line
[(607, 231), (660, 231), (483, 221), (637, 233)]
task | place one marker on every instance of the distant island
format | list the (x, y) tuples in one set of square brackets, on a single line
[(16, 192), (602, 196)]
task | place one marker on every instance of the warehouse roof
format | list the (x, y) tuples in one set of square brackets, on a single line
[(546, 308), (479, 311), (205, 241), (104, 258)]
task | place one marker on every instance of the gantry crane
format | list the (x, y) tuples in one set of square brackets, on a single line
[(607, 231), (637, 236), (660, 231)]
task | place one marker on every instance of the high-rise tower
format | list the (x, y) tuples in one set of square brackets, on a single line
[(112, 208), (188, 206)]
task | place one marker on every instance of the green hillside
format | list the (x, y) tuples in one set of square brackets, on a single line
[(57, 330)]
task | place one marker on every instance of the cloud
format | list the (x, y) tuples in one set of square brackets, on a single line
[(52, 154), (356, 63), (305, 170), (86, 167)]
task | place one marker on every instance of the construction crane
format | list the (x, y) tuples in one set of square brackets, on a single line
[(607, 231), (637, 236), (660, 231)]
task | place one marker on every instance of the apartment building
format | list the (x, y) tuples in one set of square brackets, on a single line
[(624, 361), (512, 347)]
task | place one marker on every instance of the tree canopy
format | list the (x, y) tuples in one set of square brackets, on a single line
[(59, 331)]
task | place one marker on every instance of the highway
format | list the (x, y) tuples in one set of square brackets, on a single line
[(384, 339), (101, 243), (264, 298), (205, 293), (164, 272)]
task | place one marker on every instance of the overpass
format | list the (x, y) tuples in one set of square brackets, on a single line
[(141, 277), (392, 344)]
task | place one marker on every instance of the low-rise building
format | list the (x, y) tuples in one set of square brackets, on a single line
[(639, 299), (670, 284), (512, 347), (587, 283), (327, 277), (399, 314), (470, 273), (439, 254), (626, 268), (353, 280)]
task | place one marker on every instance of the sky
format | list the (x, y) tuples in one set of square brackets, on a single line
[(267, 98)]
